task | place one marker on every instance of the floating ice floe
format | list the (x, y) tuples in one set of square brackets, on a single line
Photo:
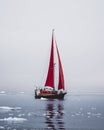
[(72, 115), (10, 114), (89, 113), (32, 114), (20, 115), (7, 109), (77, 114), (14, 119), (2, 92), (2, 128), (97, 114)]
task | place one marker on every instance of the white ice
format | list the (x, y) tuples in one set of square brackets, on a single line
[(21, 92), (2, 128), (2, 92), (7, 109), (14, 119), (20, 115)]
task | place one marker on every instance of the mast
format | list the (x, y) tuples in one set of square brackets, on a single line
[(61, 75), (50, 75)]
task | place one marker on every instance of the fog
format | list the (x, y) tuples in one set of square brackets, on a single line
[(25, 39)]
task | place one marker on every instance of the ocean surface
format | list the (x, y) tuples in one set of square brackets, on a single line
[(21, 111)]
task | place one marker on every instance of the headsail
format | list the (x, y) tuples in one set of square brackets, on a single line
[(50, 75), (61, 75)]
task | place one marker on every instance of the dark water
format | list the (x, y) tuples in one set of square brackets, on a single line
[(20, 111)]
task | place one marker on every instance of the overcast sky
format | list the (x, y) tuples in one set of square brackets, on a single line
[(25, 39)]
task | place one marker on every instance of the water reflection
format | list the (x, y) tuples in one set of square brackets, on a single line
[(55, 114)]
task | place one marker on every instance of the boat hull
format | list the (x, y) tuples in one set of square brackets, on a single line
[(51, 96)]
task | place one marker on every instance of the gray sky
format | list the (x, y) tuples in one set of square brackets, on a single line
[(25, 38)]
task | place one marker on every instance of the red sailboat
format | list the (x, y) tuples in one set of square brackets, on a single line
[(49, 90)]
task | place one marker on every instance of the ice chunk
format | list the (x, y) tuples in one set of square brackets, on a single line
[(14, 119), (2, 92), (2, 128), (7, 109), (32, 114), (20, 115), (97, 114)]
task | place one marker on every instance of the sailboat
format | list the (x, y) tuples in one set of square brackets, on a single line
[(49, 90)]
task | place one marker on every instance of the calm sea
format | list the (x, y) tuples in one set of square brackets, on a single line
[(21, 111)]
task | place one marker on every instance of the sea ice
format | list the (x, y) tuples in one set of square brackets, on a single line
[(2, 92), (7, 109), (2, 128), (20, 115), (13, 119), (88, 113)]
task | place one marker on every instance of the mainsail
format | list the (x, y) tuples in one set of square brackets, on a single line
[(50, 75)]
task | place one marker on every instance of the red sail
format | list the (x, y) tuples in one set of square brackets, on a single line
[(50, 75), (61, 75)]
